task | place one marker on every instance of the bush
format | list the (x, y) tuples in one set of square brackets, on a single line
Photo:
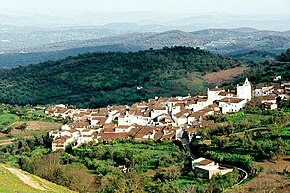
[(22, 127)]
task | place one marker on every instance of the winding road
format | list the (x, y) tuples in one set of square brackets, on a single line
[(185, 144)]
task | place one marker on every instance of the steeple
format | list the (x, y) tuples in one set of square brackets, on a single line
[(245, 91), (247, 82)]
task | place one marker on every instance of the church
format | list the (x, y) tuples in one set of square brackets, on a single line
[(231, 101)]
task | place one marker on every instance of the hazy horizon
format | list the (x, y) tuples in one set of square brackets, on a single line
[(179, 14), (75, 7)]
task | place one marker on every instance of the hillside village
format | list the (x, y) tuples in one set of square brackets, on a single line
[(159, 118)]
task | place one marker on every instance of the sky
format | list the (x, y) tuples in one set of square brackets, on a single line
[(75, 7)]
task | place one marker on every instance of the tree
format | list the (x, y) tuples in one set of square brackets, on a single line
[(189, 189), (7, 130), (22, 127), (171, 173), (220, 142), (280, 147)]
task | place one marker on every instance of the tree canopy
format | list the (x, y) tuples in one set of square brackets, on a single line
[(99, 79)]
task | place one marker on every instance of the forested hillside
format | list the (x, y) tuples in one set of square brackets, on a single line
[(99, 79), (263, 72)]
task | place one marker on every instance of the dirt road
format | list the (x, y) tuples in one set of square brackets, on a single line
[(26, 179)]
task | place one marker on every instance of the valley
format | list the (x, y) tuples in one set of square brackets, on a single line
[(149, 96), (61, 43)]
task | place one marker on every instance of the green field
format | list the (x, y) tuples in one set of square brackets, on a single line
[(144, 156), (7, 118), (14, 116)]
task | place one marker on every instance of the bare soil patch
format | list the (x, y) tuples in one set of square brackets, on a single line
[(2, 135), (38, 125), (223, 76), (273, 179), (6, 142)]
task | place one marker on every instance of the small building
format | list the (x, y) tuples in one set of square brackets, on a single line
[(206, 168)]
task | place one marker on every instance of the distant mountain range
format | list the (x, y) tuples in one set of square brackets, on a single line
[(25, 45)]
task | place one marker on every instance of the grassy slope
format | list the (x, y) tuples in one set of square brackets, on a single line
[(11, 183)]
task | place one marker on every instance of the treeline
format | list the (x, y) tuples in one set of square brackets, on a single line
[(99, 79), (285, 57)]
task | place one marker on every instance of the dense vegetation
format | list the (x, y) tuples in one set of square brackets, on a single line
[(254, 56), (285, 57), (251, 135), (99, 79), (262, 73), (152, 166)]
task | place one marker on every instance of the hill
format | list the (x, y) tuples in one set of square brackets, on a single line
[(16, 180), (20, 49), (285, 57), (99, 79), (255, 56), (262, 72)]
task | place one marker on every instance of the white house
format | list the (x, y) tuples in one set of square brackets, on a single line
[(231, 105), (62, 142), (206, 168), (181, 118), (83, 139), (213, 94), (123, 128), (263, 91), (158, 110)]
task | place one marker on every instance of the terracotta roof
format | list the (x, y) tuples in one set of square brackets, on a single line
[(231, 100), (217, 89), (113, 136), (50, 108), (277, 92), (58, 141), (144, 130), (61, 109), (158, 135), (123, 127), (65, 137), (82, 124), (227, 94), (205, 162), (268, 97), (157, 107), (109, 128), (202, 100), (182, 114), (72, 131)]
